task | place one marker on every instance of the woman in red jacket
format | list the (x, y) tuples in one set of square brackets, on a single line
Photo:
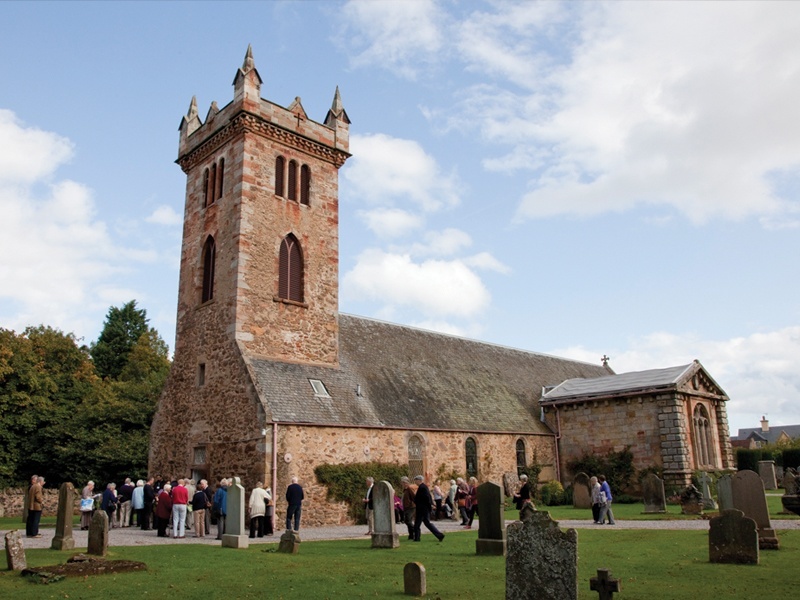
[(164, 510)]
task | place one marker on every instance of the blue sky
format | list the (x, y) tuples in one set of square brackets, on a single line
[(572, 178)]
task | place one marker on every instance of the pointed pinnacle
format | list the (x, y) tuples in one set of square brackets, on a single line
[(249, 63), (192, 108), (336, 107)]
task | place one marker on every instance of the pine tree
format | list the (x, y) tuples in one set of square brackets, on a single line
[(122, 329)]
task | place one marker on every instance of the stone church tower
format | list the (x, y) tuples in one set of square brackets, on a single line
[(258, 275)]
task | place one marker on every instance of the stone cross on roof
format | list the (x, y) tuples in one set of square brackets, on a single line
[(604, 584)]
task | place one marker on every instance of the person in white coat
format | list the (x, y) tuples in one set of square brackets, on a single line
[(258, 508)]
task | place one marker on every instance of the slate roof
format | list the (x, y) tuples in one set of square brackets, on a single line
[(652, 379), (771, 436), (414, 379)]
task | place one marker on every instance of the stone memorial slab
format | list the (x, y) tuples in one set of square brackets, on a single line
[(384, 534), (733, 538), (63, 539), (290, 542), (98, 534), (789, 482), (766, 470), (705, 490), (749, 497), (542, 560), (581, 492), (235, 535), (691, 501), (414, 579), (725, 492), (653, 492), (491, 525), (15, 551), (604, 584), (510, 483)]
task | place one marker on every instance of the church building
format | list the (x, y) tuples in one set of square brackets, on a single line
[(270, 380)]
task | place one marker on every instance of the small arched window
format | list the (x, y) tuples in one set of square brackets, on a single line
[(280, 166), (209, 260), (471, 452), (522, 461), (290, 270), (205, 188), (292, 179), (212, 184), (220, 178), (416, 458), (305, 184), (704, 454)]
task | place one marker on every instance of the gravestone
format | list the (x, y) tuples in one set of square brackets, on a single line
[(63, 539), (749, 497), (653, 492), (491, 526), (725, 492), (733, 538), (15, 551), (290, 542), (235, 535), (604, 584), (581, 492), (691, 501), (98, 534), (384, 534), (414, 579), (705, 490), (766, 470), (779, 473), (542, 560), (789, 483), (510, 483)]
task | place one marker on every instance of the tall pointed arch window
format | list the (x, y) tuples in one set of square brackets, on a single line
[(205, 187), (292, 181), (471, 452), (209, 260), (416, 456), (220, 178), (522, 461), (704, 454), (290, 270), (305, 184), (280, 167)]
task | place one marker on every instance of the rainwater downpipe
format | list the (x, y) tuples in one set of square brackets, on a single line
[(275, 471), (558, 437)]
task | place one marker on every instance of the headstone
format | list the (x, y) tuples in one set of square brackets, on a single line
[(653, 492), (235, 536), (384, 534), (290, 542), (15, 552), (749, 497), (604, 584), (733, 538), (510, 483), (98, 534), (542, 560), (63, 539), (779, 472), (491, 530), (766, 470), (691, 501), (414, 581), (789, 483), (705, 490), (581, 492), (725, 492)]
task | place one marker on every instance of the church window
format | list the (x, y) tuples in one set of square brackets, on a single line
[(416, 458), (200, 455), (290, 270), (305, 184), (292, 195), (280, 167), (704, 454), (205, 188), (471, 451), (201, 374), (319, 388), (522, 461), (220, 178), (209, 259)]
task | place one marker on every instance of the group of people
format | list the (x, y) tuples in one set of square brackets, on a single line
[(601, 500)]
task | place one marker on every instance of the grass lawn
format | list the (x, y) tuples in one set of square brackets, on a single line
[(652, 565)]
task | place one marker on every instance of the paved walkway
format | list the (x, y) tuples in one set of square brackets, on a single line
[(133, 536)]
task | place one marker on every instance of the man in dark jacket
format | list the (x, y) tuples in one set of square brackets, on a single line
[(294, 496), (149, 499), (424, 503)]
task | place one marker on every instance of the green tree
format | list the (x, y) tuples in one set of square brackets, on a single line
[(122, 329)]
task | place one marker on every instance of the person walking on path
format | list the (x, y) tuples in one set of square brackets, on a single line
[(409, 493), (424, 502), (472, 501), (368, 505), (605, 508), (596, 496), (295, 497), (258, 508)]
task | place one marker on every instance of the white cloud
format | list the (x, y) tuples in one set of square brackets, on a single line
[(390, 222), (447, 242), (28, 154), (487, 262), (165, 215)]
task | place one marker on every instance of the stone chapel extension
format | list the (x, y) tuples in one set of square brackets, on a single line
[(269, 380)]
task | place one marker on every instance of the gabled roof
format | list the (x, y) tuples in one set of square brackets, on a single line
[(771, 436), (652, 380), (406, 378)]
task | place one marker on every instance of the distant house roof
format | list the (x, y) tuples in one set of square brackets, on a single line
[(652, 380), (771, 436), (401, 377)]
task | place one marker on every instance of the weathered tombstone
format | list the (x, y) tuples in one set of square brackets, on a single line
[(789, 483), (290, 542), (705, 490), (414, 580), (235, 536), (733, 538), (581, 492), (725, 492), (98, 534), (749, 497), (15, 552), (653, 492), (63, 539), (779, 473), (604, 584), (542, 560), (691, 501), (384, 534), (766, 470), (491, 530), (510, 483)]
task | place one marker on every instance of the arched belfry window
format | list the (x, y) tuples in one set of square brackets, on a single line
[(416, 456), (471, 452), (209, 260), (305, 184), (205, 187), (522, 461), (220, 178), (704, 454), (280, 167), (292, 180), (290, 270)]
